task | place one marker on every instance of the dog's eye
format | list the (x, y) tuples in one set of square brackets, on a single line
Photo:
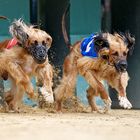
[(115, 54), (124, 53), (48, 39), (44, 43), (106, 57), (36, 42)]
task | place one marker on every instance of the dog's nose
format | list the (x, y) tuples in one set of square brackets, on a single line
[(123, 64), (41, 53)]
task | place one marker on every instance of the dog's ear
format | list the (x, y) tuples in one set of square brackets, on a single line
[(49, 40), (18, 29), (101, 46), (100, 42), (130, 42)]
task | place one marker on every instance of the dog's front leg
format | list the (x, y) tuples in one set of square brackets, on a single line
[(44, 81), (20, 78), (120, 86), (98, 86)]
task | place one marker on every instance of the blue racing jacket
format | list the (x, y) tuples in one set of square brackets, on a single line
[(87, 47)]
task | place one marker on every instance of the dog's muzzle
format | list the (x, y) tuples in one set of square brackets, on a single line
[(121, 66), (39, 53)]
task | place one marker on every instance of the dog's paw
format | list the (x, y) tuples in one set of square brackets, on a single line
[(107, 105), (48, 97), (124, 102)]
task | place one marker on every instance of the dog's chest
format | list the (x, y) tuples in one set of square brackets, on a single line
[(102, 70), (106, 72), (29, 66)]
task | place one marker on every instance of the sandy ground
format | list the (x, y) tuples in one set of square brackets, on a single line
[(118, 124)]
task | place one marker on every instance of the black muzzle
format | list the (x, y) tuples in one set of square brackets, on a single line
[(39, 53), (121, 66)]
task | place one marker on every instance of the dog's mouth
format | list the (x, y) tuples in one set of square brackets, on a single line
[(39, 53), (39, 61), (121, 66)]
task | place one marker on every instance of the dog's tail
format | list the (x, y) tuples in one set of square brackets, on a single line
[(3, 17), (65, 34)]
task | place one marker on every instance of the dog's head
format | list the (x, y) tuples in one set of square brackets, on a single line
[(35, 41), (115, 48)]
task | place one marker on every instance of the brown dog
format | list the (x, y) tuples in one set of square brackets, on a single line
[(109, 65), (26, 59)]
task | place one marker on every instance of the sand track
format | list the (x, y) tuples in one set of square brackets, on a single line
[(40, 125)]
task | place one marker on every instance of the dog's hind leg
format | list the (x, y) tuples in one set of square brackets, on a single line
[(18, 99), (65, 89), (67, 84), (91, 93), (14, 96), (120, 85), (16, 102), (9, 95)]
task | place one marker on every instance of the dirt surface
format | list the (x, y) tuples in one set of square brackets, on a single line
[(40, 125)]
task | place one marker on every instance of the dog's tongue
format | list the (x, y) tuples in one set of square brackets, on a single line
[(11, 43)]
